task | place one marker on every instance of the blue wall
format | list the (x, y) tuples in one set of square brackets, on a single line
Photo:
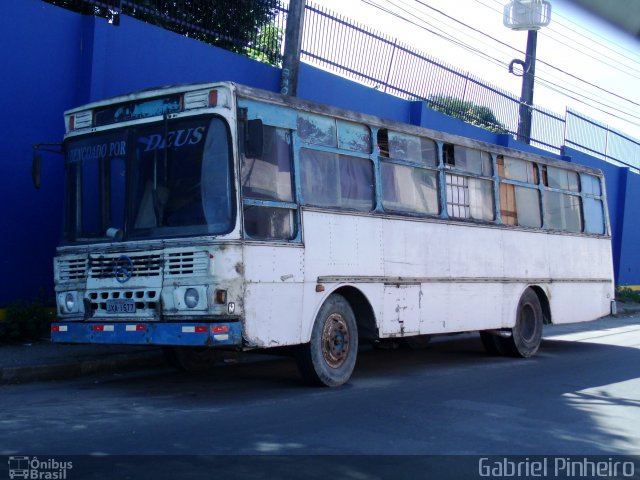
[(55, 59), (40, 66)]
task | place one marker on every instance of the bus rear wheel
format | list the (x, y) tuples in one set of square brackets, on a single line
[(330, 356), (526, 334)]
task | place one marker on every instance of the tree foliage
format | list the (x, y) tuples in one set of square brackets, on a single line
[(470, 112), (234, 25), (268, 45)]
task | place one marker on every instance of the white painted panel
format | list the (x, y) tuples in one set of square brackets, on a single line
[(524, 254), (342, 245), (273, 294), (471, 277), (415, 249), (568, 258), (572, 302), (401, 311), (458, 307), (279, 264), (474, 252), (273, 313)]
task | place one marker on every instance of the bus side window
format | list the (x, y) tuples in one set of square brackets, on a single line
[(562, 209), (468, 196), (519, 205), (335, 180), (448, 155), (592, 204), (268, 179), (383, 142)]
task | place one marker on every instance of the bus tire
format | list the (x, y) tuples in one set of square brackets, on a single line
[(526, 334), (330, 356)]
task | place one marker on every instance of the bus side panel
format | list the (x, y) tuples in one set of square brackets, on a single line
[(273, 294), (459, 307), (525, 254), (587, 258), (401, 309), (571, 303), (416, 249), (446, 253), (579, 257), (344, 246)]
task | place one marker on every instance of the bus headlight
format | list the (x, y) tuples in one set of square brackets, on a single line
[(68, 302), (191, 298)]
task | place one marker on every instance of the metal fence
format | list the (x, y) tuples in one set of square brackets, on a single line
[(592, 137), (256, 28), (384, 63)]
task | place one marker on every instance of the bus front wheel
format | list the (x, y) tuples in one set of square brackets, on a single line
[(526, 334), (330, 356)]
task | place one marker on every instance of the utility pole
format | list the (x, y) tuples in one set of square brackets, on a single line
[(530, 15), (292, 47)]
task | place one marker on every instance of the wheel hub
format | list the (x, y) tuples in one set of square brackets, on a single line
[(335, 340), (527, 322)]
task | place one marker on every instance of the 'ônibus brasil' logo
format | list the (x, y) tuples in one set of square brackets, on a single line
[(33, 468), (123, 269)]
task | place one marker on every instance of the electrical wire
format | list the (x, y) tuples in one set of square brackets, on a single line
[(575, 77), (591, 33), (587, 54), (542, 81)]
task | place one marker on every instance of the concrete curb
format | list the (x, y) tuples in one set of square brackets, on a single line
[(78, 367)]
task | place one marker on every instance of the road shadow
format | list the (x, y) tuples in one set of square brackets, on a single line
[(451, 398)]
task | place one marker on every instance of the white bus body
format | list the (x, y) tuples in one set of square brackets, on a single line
[(283, 265)]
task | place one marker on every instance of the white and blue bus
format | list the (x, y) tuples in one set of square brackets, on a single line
[(217, 216)]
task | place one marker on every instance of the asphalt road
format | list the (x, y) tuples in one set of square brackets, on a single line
[(579, 396)]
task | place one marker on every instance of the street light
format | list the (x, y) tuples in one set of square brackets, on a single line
[(530, 15)]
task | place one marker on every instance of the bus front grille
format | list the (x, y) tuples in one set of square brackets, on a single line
[(145, 265), (104, 266), (145, 301)]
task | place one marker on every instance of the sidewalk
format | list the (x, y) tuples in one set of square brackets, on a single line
[(46, 361)]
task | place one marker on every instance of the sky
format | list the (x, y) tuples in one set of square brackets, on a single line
[(582, 62)]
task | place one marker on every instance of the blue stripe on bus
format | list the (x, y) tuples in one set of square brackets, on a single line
[(186, 334)]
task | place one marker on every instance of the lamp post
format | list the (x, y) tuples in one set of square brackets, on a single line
[(530, 15)]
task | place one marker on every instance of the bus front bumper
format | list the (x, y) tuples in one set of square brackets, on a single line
[(147, 333)]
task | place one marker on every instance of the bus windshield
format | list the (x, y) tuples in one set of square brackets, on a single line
[(167, 179)]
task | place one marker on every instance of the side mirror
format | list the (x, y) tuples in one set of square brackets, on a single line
[(254, 139), (36, 161), (36, 168)]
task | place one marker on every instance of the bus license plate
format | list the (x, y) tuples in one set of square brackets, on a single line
[(121, 306)]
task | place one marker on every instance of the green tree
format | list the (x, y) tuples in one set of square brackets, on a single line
[(234, 25), (268, 45), (470, 112)]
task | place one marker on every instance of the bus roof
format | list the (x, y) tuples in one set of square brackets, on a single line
[(325, 109), (375, 121)]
